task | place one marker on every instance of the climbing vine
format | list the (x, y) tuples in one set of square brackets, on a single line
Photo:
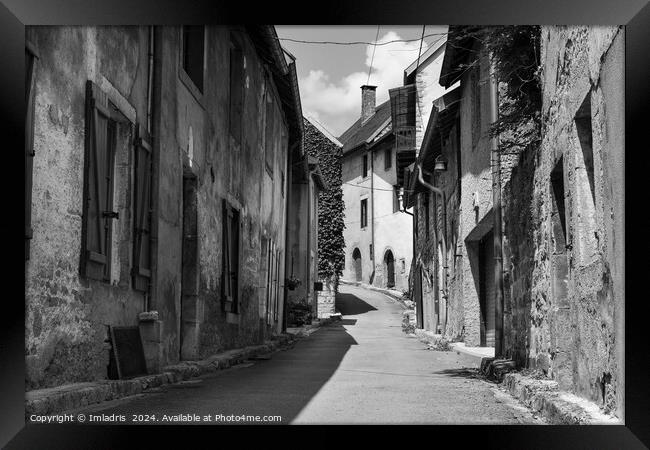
[(331, 256), (515, 54)]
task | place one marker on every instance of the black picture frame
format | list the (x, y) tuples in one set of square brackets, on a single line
[(635, 14)]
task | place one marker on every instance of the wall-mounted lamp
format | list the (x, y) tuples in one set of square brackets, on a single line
[(440, 164)]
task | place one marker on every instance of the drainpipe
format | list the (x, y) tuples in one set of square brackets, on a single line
[(443, 198), (498, 232), (147, 299), (372, 208)]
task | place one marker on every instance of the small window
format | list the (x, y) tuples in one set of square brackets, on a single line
[(193, 41), (269, 143), (396, 199), (364, 213), (476, 105), (559, 214), (230, 275), (585, 136), (388, 158), (282, 182), (236, 89), (364, 174)]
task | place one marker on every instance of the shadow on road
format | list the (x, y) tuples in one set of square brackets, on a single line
[(281, 386), (463, 372), (350, 305)]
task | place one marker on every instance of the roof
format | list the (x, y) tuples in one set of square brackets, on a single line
[(359, 134), (323, 131), (458, 52), (433, 49), (283, 69)]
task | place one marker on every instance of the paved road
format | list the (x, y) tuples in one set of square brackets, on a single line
[(362, 370)]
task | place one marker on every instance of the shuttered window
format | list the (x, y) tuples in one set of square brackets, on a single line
[(230, 275), (268, 132), (98, 211), (236, 89), (141, 271), (30, 63)]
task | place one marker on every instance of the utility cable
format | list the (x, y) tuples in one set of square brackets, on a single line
[(373, 55)]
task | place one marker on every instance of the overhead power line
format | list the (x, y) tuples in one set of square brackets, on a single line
[(300, 41), (373, 55)]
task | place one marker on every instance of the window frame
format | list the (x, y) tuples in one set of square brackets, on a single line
[(231, 295), (189, 82), (388, 158), (364, 212)]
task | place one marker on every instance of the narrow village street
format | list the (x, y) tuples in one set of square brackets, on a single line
[(360, 370)]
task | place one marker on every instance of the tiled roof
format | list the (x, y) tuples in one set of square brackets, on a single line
[(357, 134)]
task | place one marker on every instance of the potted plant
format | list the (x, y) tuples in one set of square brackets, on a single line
[(292, 283)]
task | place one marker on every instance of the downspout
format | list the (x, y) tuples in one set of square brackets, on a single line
[(443, 198), (496, 202), (148, 294), (372, 219)]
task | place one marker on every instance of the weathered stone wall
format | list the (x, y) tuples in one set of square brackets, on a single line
[(571, 325), (331, 210), (67, 315)]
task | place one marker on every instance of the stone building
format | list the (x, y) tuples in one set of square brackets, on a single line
[(563, 221), (378, 234), (302, 241), (158, 164), (321, 144), (455, 225), (561, 214)]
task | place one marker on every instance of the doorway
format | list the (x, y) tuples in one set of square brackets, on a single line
[(356, 256), (190, 313), (486, 290), (389, 262)]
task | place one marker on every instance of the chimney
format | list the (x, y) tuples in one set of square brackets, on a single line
[(368, 102)]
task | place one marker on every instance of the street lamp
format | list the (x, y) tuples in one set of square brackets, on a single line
[(440, 164)]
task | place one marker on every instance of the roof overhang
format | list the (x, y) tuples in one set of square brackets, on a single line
[(459, 51)]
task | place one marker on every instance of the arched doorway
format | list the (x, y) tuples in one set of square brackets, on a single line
[(389, 263), (356, 256)]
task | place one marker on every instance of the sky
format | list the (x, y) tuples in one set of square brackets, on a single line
[(330, 76)]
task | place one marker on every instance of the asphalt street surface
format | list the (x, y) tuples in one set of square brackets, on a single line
[(360, 370)]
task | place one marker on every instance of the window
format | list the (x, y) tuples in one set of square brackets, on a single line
[(388, 158), (395, 199), (269, 147), (236, 89), (193, 42), (585, 135), (364, 174), (476, 105), (30, 62), (230, 245), (364, 213), (98, 211), (559, 214)]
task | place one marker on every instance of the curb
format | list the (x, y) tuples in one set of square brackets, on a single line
[(557, 407), (78, 395), (543, 396)]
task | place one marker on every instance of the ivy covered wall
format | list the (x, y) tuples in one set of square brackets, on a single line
[(331, 256)]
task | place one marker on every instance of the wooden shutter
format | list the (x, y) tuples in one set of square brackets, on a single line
[(236, 89), (141, 270), (226, 272), (30, 61), (97, 183)]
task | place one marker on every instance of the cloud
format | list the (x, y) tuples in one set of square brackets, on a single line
[(337, 103)]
